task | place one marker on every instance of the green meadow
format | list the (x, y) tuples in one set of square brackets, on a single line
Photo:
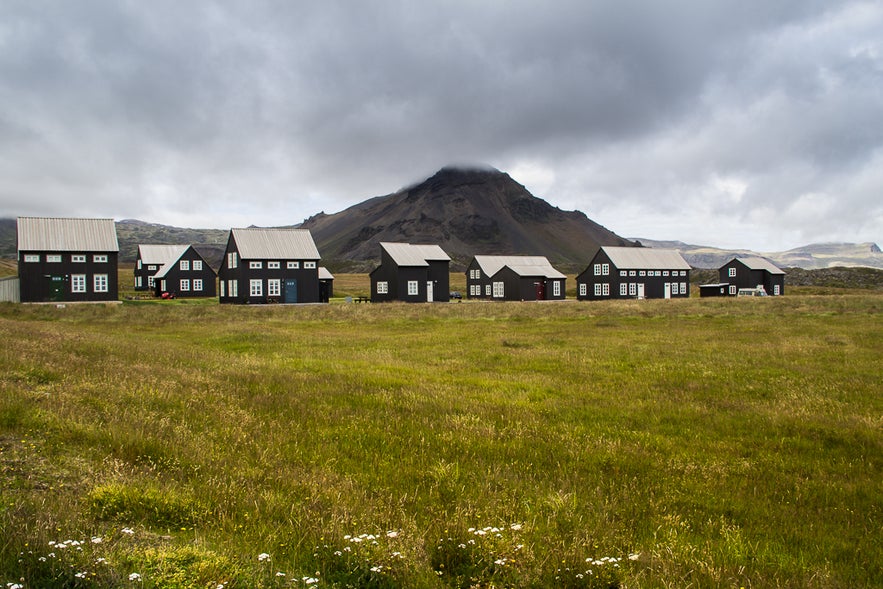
[(682, 443)]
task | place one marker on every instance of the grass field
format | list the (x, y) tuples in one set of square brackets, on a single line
[(682, 443)]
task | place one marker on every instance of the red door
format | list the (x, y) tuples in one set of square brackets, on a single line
[(541, 291)]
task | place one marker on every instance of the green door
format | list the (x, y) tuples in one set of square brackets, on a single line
[(56, 288)]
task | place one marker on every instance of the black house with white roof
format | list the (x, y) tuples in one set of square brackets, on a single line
[(411, 273), (185, 275), (752, 272), (636, 273), (64, 259), (270, 266), (514, 278)]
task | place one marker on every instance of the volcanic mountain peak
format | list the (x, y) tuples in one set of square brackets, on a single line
[(467, 211)]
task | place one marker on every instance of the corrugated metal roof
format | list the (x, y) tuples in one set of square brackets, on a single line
[(160, 254), (645, 258), (324, 274), (406, 254), (275, 244), (546, 271), (67, 235), (758, 263), (490, 265)]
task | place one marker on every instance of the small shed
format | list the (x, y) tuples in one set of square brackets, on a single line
[(720, 289), (326, 284)]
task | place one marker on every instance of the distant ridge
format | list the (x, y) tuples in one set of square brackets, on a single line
[(809, 257), (465, 210)]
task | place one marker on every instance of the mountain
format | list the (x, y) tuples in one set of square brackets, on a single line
[(467, 211), (808, 257)]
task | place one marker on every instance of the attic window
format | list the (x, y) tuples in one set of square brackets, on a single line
[(309, 265), (32, 257), (731, 272), (255, 265)]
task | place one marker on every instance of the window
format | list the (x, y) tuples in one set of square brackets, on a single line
[(184, 285), (232, 262), (197, 284), (309, 265), (556, 288), (776, 290), (197, 265), (100, 258), (256, 288), (658, 273), (499, 292), (137, 282), (633, 289), (632, 272), (731, 272), (598, 289), (53, 258), (223, 289), (233, 288), (274, 287), (382, 287), (596, 269), (185, 265), (623, 289), (78, 283), (413, 287), (150, 282), (78, 258), (273, 265), (139, 264), (255, 265), (583, 289), (149, 268), (683, 288), (605, 289), (641, 273), (487, 290), (100, 283), (32, 257), (665, 272), (605, 269), (732, 289), (623, 272), (293, 265)]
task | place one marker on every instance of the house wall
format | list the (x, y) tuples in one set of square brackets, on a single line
[(175, 275), (747, 278), (307, 279), (654, 286), (440, 275), (477, 288), (43, 281)]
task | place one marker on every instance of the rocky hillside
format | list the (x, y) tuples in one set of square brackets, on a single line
[(466, 212)]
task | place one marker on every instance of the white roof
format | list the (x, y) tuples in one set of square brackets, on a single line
[(758, 263), (160, 254), (406, 254), (535, 270), (490, 265), (645, 258), (324, 274), (275, 244), (67, 235)]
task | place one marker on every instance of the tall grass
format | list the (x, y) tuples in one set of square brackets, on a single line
[(642, 444)]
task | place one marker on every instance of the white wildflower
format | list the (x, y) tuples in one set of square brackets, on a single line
[(515, 527), (280, 574), (392, 534), (376, 569), (635, 556), (263, 556), (135, 577), (97, 540), (128, 531)]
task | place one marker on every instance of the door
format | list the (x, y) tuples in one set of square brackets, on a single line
[(429, 291), (667, 290), (541, 290), (290, 290), (56, 288), (641, 290)]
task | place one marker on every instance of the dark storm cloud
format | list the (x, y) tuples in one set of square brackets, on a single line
[(660, 117)]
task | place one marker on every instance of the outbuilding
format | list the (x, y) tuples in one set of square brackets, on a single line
[(66, 259), (269, 266), (411, 273), (752, 272), (636, 273), (514, 278)]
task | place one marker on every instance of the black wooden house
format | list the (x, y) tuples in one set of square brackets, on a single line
[(64, 259), (752, 272), (514, 278), (185, 275), (411, 273), (149, 259), (636, 273), (269, 266)]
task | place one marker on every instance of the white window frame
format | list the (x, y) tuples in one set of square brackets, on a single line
[(184, 285), (731, 272), (100, 259), (623, 272), (583, 289), (138, 282), (309, 265), (293, 265), (274, 287), (197, 265), (413, 287), (633, 289), (777, 290), (255, 287), (223, 286), (233, 288), (53, 258), (78, 283), (232, 260), (150, 268), (78, 258), (605, 269), (184, 265), (623, 289), (197, 284), (605, 289), (499, 290), (732, 289), (487, 290), (382, 287), (255, 265), (683, 288), (556, 288), (665, 272), (597, 289), (596, 269), (139, 264), (31, 258), (273, 265), (99, 283), (150, 282)]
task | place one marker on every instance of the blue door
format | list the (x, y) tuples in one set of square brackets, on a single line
[(290, 290)]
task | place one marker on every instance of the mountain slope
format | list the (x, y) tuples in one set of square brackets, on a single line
[(466, 212)]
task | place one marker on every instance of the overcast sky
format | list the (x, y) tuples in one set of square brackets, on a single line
[(743, 123)]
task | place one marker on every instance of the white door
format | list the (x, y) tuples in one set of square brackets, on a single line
[(429, 291), (640, 290), (667, 290)]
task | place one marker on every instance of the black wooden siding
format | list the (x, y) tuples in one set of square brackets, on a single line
[(44, 281), (397, 278), (527, 288), (171, 282), (654, 286), (747, 278), (307, 280)]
